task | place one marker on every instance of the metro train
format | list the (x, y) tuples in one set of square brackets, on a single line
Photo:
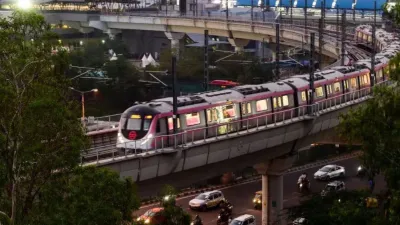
[(150, 125)]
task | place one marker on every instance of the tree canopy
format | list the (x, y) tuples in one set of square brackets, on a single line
[(41, 137)]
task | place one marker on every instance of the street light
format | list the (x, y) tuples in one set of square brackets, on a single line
[(83, 99)]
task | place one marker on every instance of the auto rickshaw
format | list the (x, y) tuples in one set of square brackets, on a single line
[(371, 202), (257, 200)]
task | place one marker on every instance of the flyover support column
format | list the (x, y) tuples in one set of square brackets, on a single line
[(238, 43), (272, 188), (112, 33), (175, 41)]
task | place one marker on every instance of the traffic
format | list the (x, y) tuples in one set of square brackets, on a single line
[(242, 204)]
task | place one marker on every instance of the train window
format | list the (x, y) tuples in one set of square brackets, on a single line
[(246, 108), (336, 87), (192, 119), (319, 92), (303, 96), (228, 111), (353, 83), (146, 124), (285, 100), (261, 105), (171, 123), (209, 119), (379, 73)]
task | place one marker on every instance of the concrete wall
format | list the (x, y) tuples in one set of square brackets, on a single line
[(188, 165)]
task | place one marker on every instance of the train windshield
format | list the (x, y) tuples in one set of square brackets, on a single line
[(138, 122), (134, 124)]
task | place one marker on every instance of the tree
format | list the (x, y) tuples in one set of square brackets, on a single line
[(110, 201), (377, 125), (38, 131), (345, 208), (41, 138)]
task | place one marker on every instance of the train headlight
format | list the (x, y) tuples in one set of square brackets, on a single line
[(258, 201)]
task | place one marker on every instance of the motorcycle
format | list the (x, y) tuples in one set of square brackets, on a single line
[(304, 185), (224, 219), (228, 207), (196, 222), (361, 171)]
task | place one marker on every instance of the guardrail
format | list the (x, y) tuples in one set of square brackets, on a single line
[(188, 138)]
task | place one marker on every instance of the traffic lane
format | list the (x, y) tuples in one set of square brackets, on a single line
[(241, 195)]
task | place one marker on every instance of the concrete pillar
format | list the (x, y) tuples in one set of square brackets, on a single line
[(175, 41), (238, 43), (112, 33), (272, 188)]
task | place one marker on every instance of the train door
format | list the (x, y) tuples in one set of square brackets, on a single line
[(223, 115), (161, 133)]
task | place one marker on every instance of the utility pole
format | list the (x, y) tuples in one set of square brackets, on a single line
[(337, 25), (372, 72), (311, 91), (252, 6), (278, 51), (291, 11), (263, 46), (206, 62), (320, 42), (343, 33), (226, 8), (174, 98), (305, 18), (354, 10)]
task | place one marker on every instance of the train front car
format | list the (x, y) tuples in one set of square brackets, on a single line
[(137, 128)]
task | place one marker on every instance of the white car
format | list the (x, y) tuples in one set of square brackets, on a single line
[(329, 172), (245, 219), (334, 186)]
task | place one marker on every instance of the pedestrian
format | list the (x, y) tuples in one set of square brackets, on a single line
[(371, 184)]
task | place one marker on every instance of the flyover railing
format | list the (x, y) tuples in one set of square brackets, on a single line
[(235, 128)]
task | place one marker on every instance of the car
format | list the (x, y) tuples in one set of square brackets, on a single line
[(334, 186), (361, 171), (245, 219), (207, 200), (153, 216), (300, 221), (329, 171)]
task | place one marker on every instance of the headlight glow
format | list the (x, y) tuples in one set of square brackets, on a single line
[(359, 168), (219, 217), (166, 198), (254, 200), (138, 219), (259, 201), (147, 221), (301, 185)]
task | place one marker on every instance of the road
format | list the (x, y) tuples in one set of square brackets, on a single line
[(241, 195)]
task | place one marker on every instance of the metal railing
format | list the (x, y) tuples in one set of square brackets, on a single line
[(235, 128)]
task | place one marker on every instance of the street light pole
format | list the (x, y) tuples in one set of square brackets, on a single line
[(83, 99)]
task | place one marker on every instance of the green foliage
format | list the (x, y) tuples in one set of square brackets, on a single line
[(41, 138), (345, 208), (176, 216), (89, 196), (377, 125)]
